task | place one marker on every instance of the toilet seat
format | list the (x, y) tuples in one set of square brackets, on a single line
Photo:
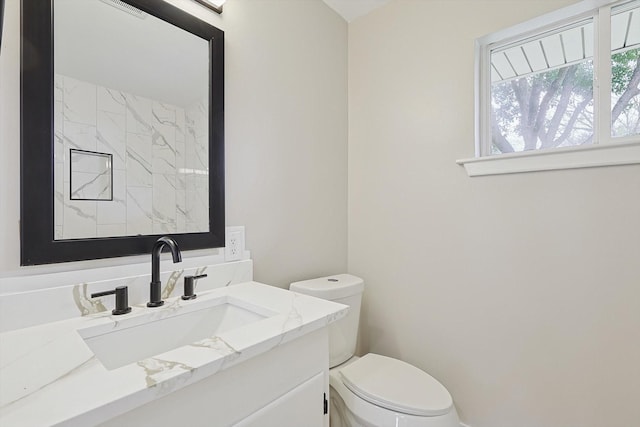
[(396, 385)]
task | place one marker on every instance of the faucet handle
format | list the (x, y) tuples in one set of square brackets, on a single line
[(189, 284), (122, 299)]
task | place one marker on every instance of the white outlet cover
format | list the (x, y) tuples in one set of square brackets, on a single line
[(234, 243)]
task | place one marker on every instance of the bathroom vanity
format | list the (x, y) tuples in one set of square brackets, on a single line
[(241, 353), (247, 354)]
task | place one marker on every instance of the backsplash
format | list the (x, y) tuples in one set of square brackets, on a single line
[(32, 307), (157, 179)]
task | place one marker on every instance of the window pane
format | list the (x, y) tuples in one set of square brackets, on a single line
[(625, 70), (542, 91)]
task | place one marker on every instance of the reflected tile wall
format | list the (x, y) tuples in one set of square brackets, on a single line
[(196, 171), (115, 213), (139, 153), (111, 137), (160, 159), (139, 211), (79, 101)]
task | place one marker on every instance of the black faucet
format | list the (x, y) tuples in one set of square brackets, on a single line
[(155, 299)]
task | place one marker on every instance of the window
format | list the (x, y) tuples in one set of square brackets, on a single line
[(560, 91), (542, 91), (625, 70)]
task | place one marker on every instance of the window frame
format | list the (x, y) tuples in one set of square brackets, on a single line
[(605, 149)]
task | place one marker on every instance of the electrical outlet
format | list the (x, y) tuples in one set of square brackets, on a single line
[(234, 243)]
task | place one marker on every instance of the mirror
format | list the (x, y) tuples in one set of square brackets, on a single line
[(149, 115), (122, 129)]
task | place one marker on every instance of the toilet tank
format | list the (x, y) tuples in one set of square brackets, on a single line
[(344, 289)]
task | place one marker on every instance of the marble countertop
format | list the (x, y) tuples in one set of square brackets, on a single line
[(49, 376)]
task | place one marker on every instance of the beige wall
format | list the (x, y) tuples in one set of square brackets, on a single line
[(521, 293), (286, 137)]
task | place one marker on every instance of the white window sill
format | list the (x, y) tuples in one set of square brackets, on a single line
[(563, 158)]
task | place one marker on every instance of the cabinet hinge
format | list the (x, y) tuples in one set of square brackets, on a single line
[(326, 404)]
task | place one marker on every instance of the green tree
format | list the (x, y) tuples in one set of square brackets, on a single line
[(555, 108), (625, 83)]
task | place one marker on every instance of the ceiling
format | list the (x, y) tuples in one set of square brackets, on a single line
[(112, 29), (352, 9)]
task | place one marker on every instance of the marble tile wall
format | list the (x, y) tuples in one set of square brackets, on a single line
[(160, 162)]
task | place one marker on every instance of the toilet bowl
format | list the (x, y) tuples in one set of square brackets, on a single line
[(374, 390)]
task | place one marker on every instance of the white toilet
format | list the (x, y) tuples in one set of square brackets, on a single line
[(374, 390)]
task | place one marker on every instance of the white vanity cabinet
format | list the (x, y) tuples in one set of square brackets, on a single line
[(243, 355), (283, 387), (297, 408)]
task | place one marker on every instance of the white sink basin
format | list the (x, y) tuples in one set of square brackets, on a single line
[(138, 338)]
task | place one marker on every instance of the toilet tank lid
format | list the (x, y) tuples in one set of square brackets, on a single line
[(330, 287)]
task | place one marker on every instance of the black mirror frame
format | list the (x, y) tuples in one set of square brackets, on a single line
[(38, 245), (1, 20)]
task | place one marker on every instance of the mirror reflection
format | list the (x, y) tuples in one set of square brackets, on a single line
[(132, 87)]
